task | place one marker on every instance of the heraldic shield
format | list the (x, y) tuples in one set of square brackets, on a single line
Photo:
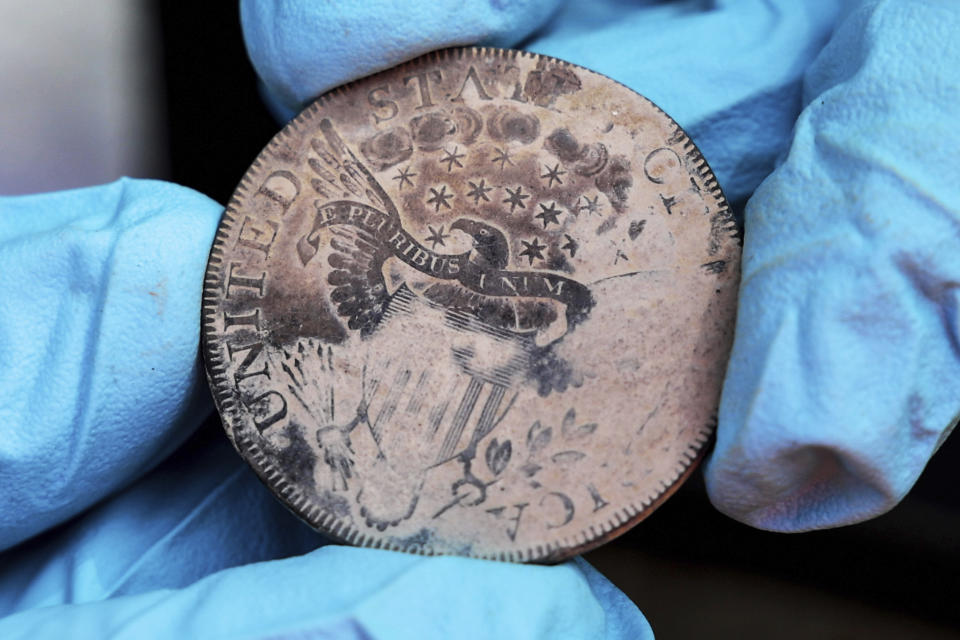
[(428, 411)]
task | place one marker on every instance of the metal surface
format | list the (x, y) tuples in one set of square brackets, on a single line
[(477, 304)]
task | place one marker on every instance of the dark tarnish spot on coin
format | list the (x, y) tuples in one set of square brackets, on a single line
[(586, 160), (333, 503), (536, 315), (717, 266), (636, 228), (469, 124), (550, 373), (563, 145), (432, 130), (615, 182), (507, 123), (549, 81), (297, 458), (557, 261), (387, 148), (306, 316)]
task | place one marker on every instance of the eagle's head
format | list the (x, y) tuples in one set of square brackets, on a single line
[(489, 242)]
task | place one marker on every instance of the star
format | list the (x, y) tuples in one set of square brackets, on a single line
[(516, 198), (478, 191), (591, 206), (503, 157), (532, 250), (437, 236), (571, 246), (404, 175), (452, 158), (548, 214), (439, 198), (553, 174)]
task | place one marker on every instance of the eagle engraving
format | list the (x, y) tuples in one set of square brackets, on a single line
[(374, 260), (497, 326)]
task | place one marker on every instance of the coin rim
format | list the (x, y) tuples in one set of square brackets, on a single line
[(328, 524)]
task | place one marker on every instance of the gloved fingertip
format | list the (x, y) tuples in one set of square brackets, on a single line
[(302, 49)]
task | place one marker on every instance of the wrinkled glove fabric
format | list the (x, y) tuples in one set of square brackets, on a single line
[(841, 382)]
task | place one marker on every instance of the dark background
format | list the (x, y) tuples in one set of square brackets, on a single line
[(693, 571)]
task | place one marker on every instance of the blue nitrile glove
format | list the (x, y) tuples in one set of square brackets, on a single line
[(98, 339), (842, 380), (99, 318), (202, 511)]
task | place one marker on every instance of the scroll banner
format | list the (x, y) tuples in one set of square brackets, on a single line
[(389, 233)]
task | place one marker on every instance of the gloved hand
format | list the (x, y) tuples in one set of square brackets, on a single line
[(111, 371), (99, 321), (841, 383)]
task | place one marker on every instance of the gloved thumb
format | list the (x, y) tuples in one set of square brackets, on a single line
[(344, 592), (99, 325)]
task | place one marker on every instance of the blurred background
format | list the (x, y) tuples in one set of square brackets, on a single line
[(90, 91)]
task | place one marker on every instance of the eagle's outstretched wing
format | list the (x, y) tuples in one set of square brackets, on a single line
[(340, 177), (339, 174), (359, 291)]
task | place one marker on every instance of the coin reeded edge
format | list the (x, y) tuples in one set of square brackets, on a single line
[(572, 545)]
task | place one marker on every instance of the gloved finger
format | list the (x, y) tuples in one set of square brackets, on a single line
[(347, 592), (842, 380), (729, 72), (99, 322), (200, 511), (301, 49)]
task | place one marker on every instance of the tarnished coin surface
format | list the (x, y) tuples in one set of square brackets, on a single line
[(478, 304)]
